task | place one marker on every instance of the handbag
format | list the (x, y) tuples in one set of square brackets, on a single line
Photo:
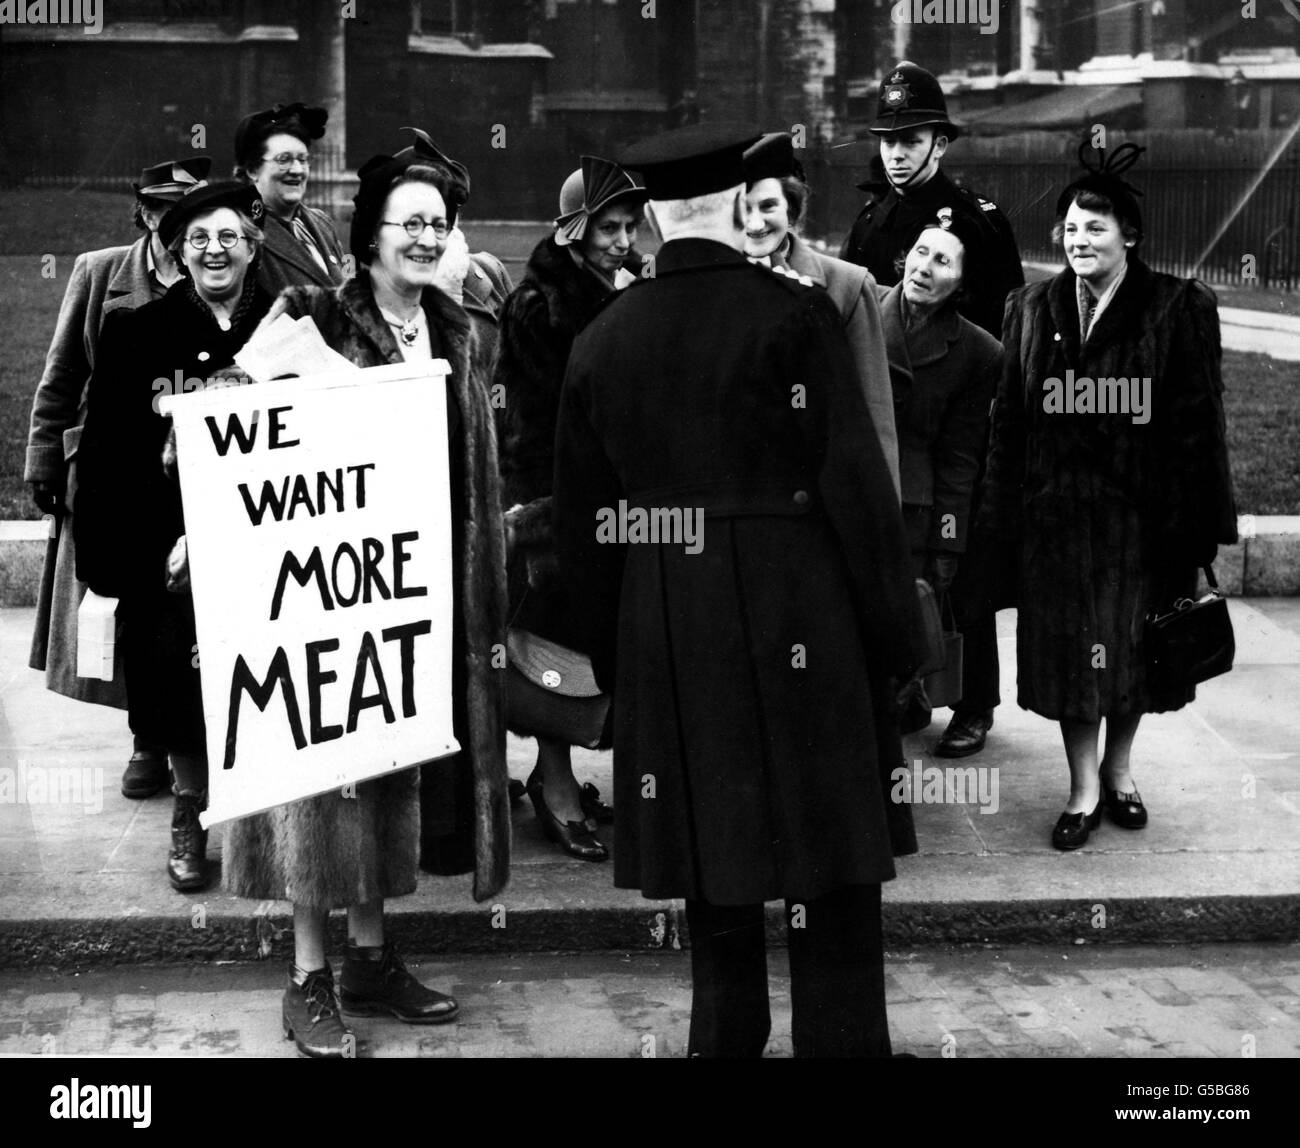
[(944, 685), (551, 692), (1192, 641)]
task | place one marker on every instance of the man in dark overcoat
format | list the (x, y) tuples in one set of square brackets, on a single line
[(745, 643), (914, 131)]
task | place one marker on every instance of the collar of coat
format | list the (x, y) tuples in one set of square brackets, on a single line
[(1126, 310), (279, 238), (572, 294), (926, 343), (132, 277), (358, 302), (686, 254)]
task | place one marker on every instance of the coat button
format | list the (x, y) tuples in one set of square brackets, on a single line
[(551, 679), (203, 356), (1056, 338), (801, 498)]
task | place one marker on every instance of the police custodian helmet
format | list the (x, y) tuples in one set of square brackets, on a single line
[(910, 97)]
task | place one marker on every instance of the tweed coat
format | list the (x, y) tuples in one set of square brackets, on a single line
[(285, 262), (945, 376), (750, 761), (1109, 516), (887, 224), (539, 322), (128, 512), (854, 292), (101, 282), (452, 815)]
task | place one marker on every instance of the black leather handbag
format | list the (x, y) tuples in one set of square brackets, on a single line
[(1192, 641), (551, 692)]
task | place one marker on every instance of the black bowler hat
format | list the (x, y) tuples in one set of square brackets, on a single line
[(297, 120), (910, 97), (377, 174), (773, 158), (208, 197), (691, 161), (173, 178)]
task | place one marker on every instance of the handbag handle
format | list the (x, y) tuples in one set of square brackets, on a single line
[(1209, 577)]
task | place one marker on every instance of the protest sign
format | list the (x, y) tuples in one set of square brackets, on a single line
[(318, 521)]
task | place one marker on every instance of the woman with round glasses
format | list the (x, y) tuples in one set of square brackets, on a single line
[(273, 153), (128, 521), (334, 851)]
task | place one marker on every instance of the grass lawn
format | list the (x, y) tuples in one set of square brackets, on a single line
[(1263, 394)]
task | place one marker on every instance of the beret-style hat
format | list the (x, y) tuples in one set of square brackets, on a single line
[(773, 158), (207, 197), (307, 124), (1103, 174), (377, 174)]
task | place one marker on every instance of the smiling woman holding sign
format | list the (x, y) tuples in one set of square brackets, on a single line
[(129, 526), (356, 849)]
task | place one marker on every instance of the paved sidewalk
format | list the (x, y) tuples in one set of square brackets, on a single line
[(1196, 1001), (83, 879)]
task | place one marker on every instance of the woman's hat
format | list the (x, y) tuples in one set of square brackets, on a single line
[(172, 178), (773, 158), (968, 227), (207, 197), (1102, 176), (596, 185), (377, 174), (910, 97), (306, 124)]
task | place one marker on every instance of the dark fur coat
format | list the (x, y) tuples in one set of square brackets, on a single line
[(539, 322), (335, 851), (1108, 517)]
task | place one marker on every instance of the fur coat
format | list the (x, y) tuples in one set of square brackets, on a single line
[(336, 851), (539, 322), (1109, 513)]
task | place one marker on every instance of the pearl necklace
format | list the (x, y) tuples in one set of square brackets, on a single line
[(407, 329)]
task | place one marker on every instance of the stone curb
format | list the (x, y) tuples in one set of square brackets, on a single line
[(85, 942), (1264, 564)]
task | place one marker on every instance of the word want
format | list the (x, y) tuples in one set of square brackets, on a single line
[(1108, 396), (660, 524)]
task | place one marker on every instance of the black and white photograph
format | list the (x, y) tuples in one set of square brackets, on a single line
[(651, 529)]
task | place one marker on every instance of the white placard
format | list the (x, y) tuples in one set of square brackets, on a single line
[(318, 521)]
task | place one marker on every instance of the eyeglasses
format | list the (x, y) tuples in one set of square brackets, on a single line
[(286, 159), (415, 226), (227, 239)]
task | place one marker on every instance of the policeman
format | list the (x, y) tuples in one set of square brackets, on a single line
[(738, 653), (914, 129)]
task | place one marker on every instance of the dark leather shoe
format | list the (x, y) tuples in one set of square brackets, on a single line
[(187, 865), (1072, 829), (966, 734), (595, 809), (310, 1016), (576, 838), (146, 774), (375, 982), (1125, 809)]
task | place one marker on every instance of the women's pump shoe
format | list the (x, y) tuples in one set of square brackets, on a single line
[(1125, 809), (1072, 829), (576, 838)]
